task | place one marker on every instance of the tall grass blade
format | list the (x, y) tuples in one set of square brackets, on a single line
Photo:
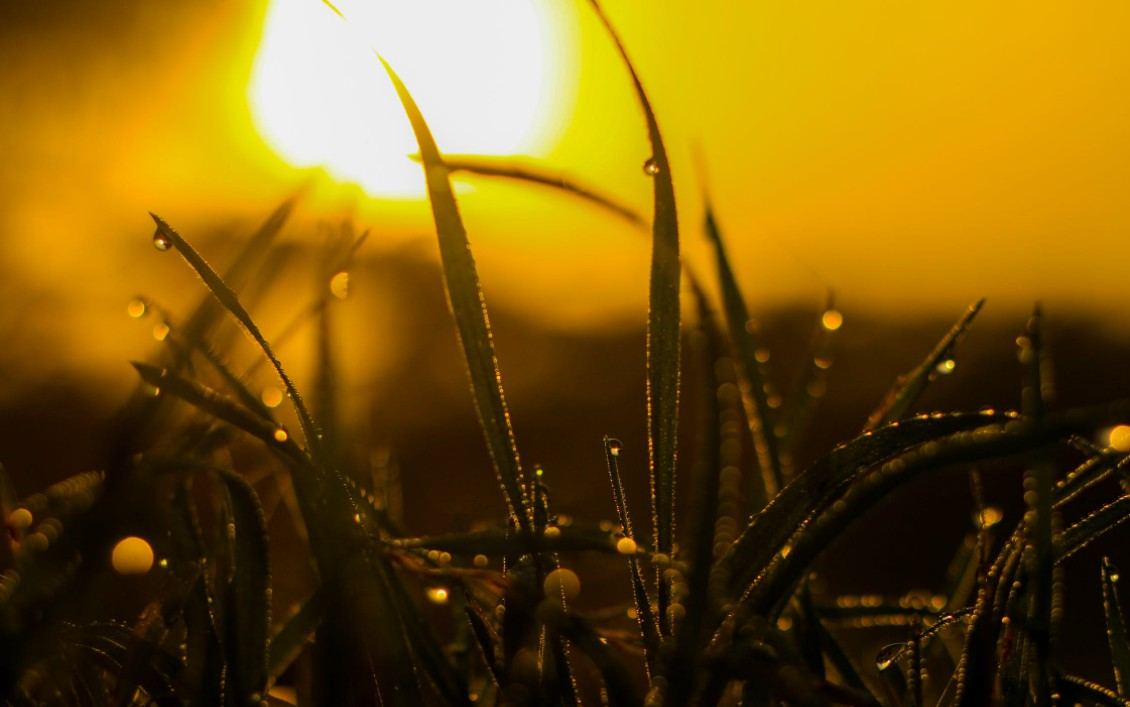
[(746, 348), (465, 299), (230, 302), (1097, 523), (1038, 480), (1116, 629), (663, 333), (907, 388), (248, 601), (649, 628)]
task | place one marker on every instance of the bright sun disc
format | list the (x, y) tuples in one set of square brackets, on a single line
[(485, 74)]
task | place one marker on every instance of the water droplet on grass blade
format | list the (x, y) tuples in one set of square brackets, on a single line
[(339, 285), (945, 367), (832, 320), (887, 655), (161, 242), (651, 167), (137, 308), (626, 546), (281, 435), (132, 555), (562, 582), (615, 446), (437, 595)]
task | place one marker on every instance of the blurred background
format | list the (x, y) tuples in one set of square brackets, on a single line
[(910, 157)]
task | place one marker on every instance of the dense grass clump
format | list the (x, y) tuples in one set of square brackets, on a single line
[(725, 607)]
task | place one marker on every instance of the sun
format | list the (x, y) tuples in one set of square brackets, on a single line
[(489, 76)]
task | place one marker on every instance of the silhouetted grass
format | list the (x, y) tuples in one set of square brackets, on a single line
[(733, 616)]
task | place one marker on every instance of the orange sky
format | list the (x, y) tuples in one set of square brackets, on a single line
[(911, 155)]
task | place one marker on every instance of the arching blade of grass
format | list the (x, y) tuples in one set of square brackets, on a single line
[(820, 485), (1078, 535), (508, 169), (663, 332), (746, 348), (222, 408), (248, 601), (498, 541), (1116, 629), (907, 388), (205, 315), (990, 442), (1076, 690), (465, 299), (230, 302)]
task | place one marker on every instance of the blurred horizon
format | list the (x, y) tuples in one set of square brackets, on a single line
[(910, 158)]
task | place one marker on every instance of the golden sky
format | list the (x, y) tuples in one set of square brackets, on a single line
[(911, 155)]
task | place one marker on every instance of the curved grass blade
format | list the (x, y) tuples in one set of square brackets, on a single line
[(1116, 629), (222, 408), (486, 166), (993, 441), (494, 542), (663, 332), (746, 347), (248, 602), (1077, 536), (821, 484), (907, 388), (230, 302), (1076, 690), (468, 307)]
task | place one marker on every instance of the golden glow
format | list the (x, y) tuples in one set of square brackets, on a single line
[(132, 555), (437, 595), (281, 435), (562, 583), (1119, 438), (485, 75)]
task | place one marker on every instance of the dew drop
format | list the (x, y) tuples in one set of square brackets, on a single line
[(615, 446), (888, 654), (1119, 438), (20, 519), (481, 560), (946, 367), (437, 595), (1110, 569), (272, 397), (161, 331), (132, 555), (281, 435), (832, 320), (987, 517), (552, 532), (651, 167), (339, 285), (137, 308), (161, 242), (626, 546), (562, 582)]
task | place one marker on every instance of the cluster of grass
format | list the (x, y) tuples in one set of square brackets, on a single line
[(732, 614)]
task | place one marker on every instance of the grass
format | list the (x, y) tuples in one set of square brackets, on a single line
[(732, 612)]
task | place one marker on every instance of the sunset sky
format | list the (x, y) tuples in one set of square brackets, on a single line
[(912, 156)]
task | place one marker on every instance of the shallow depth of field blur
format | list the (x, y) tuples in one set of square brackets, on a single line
[(910, 157)]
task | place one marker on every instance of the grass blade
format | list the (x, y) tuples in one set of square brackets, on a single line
[(649, 629), (746, 348), (1116, 629), (508, 169), (1078, 535), (663, 333), (227, 297), (1076, 690), (821, 484), (248, 601), (907, 388), (468, 307)]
